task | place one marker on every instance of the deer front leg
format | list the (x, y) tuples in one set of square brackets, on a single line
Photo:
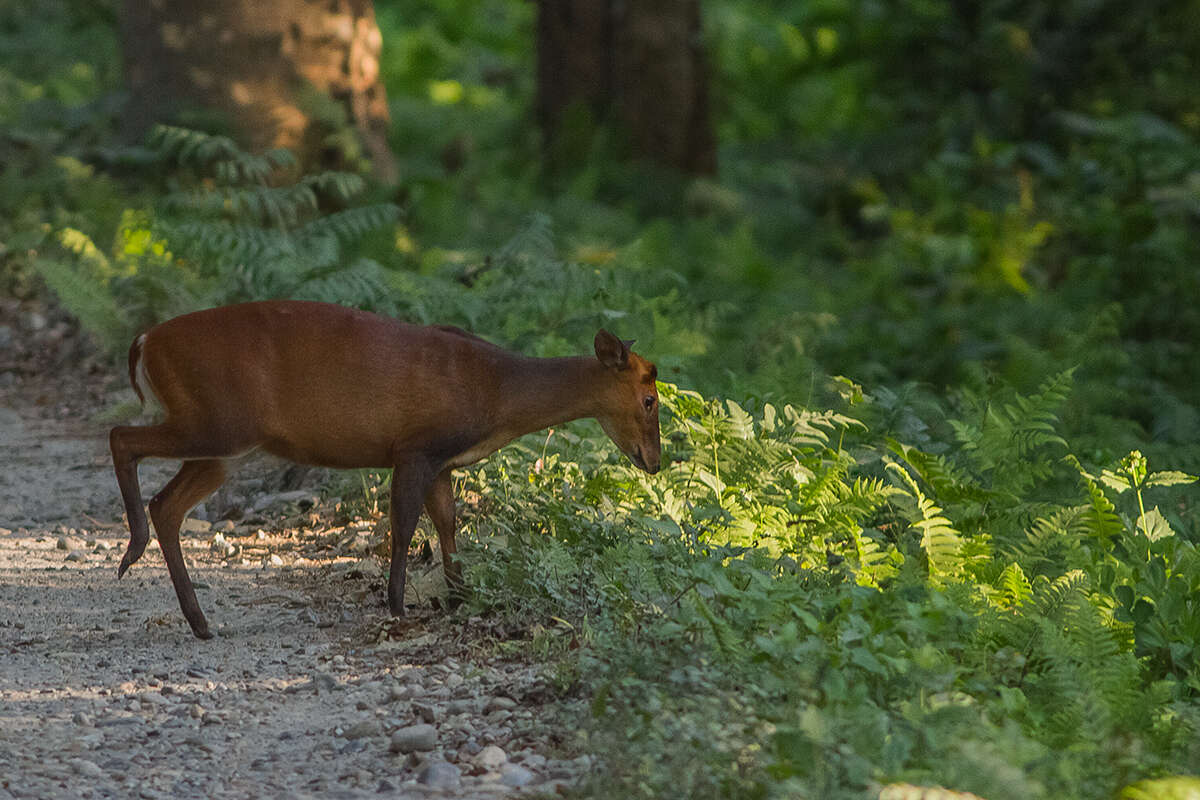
[(439, 504)]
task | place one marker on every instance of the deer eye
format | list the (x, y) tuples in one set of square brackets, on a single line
[(648, 402)]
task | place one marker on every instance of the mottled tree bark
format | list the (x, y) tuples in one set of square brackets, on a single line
[(635, 64), (251, 61)]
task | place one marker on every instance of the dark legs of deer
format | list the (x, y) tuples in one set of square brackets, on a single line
[(411, 479), (128, 446), (194, 481), (439, 504)]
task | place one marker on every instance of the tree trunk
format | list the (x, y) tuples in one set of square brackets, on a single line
[(635, 64), (252, 63)]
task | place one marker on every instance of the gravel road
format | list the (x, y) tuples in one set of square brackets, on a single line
[(308, 690)]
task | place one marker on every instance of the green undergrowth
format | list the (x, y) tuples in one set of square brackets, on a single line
[(799, 607), (829, 588)]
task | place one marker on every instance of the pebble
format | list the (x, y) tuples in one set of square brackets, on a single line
[(193, 525), (275, 560), (88, 769), (499, 704), (491, 757), (364, 729), (324, 682), (533, 760), (440, 775), (412, 676), (414, 738), (515, 776), (76, 555), (467, 706), (426, 711)]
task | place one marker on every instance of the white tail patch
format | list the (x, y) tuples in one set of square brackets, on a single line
[(150, 399)]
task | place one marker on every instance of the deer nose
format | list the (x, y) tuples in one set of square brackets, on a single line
[(639, 459)]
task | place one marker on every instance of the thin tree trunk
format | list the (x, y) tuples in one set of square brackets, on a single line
[(636, 64), (255, 64)]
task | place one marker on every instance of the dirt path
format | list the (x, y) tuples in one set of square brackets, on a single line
[(308, 690)]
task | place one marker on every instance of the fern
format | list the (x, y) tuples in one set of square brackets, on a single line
[(1053, 543), (1051, 597), (219, 155), (95, 310), (269, 236), (1010, 442), (941, 543), (948, 482), (1014, 588), (237, 227), (1099, 517)]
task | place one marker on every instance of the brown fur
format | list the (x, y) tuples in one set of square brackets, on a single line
[(333, 386)]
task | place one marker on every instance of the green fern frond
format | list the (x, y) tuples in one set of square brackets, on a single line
[(1012, 441), (222, 240), (1015, 589), (1050, 542), (217, 155), (342, 186), (1100, 519), (95, 309), (949, 483), (351, 224), (941, 543), (361, 284), (1054, 598)]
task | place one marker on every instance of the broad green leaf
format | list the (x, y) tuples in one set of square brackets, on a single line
[(1114, 481), (711, 481), (1169, 478), (867, 660), (1154, 525)]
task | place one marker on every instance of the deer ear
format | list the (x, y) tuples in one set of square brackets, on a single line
[(612, 352)]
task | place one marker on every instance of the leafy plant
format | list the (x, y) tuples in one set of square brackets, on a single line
[(235, 227)]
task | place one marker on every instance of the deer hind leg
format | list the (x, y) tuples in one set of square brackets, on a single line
[(130, 444), (194, 481), (439, 504), (411, 479)]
